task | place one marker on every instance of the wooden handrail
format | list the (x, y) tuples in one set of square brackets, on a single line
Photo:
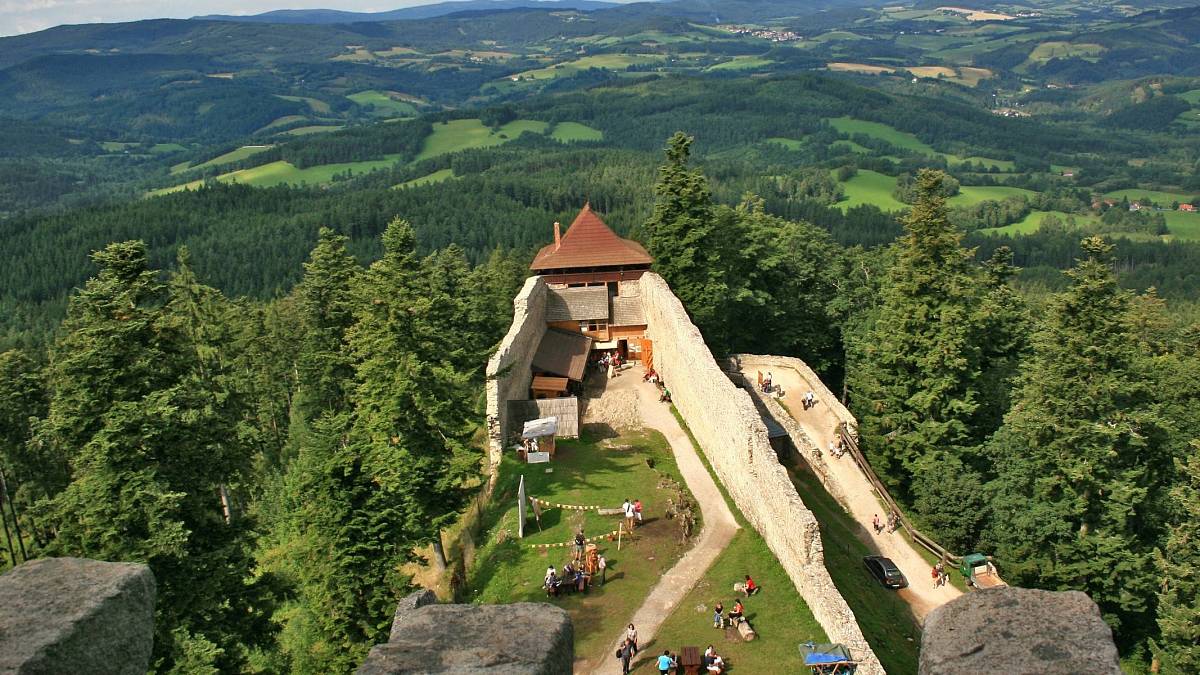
[(850, 443)]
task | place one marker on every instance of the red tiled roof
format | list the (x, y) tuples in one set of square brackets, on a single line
[(589, 243)]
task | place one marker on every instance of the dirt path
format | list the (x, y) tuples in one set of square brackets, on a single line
[(820, 424), (717, 531)]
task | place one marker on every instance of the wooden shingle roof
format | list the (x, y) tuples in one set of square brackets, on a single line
[(588, 303), (562, 353), (590, 243)]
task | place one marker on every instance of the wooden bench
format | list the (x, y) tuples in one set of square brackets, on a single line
[(690, 659)]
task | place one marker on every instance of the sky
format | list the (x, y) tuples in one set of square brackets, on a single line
[(27, 16)]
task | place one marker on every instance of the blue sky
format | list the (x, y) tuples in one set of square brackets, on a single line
[(26, 16)]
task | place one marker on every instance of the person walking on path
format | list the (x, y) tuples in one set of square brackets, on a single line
[(631, 638), (602, 565), (876, 525), (580, 541), (625, 653), (630, 515), (637, 511)]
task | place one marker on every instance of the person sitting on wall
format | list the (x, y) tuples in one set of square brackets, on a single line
[(665, 396)]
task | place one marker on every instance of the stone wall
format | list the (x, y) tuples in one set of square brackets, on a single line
[(508, 371), (734, 439), (70, 615), (822, 392), (526, 638), (1019, 631)]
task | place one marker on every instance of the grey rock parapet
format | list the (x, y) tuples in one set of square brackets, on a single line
[(526, 638), (1018, 631), (71, 615)]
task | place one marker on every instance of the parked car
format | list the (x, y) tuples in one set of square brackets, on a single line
[(885, 571)]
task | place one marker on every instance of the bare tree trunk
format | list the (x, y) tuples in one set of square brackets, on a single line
[(439, 554), (225, 506)]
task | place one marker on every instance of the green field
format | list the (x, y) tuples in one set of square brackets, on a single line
[(608, 61), (1032, 222), (280, 173), (1157, 196), (1064, 50), (851, 146), (229, 157), (569, 132), (166, 148), (884, 132), (586, 472), (871, 187), (1192, 96), (117, 146), (742, 63), (383, 104), (970, 195), (1183, 225), (316, 105), (435, 177), (313, 129), (282, 122), (458, 135), (789, 143), (1000, 164)]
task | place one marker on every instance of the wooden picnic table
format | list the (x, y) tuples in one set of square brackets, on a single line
[(689, 658)]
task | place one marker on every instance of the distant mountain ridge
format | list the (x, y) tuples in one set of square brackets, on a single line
[(327, 16)]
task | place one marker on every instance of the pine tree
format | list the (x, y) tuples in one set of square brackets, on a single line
[(22, 400), (323, 300), (1080, 452), (913, 379), (1179, 593), (688, 246), (1005, 326)]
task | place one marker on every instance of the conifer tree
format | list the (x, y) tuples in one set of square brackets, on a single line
[(325, 307), (688, 246), (22, 400), (1179, 592), (913, 379), (1080, 452)]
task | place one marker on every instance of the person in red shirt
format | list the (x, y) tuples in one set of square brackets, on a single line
[(749, 587)]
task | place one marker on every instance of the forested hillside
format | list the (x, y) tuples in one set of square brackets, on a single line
[(250, 273)]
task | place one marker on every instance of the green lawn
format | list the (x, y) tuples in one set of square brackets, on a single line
[(882, 615), (458, 135), (383, 104), (435, 177), (229, 157), (569, 132), (1030, 223), (584, 472), (166, 148), (609, 61), (280, 173), (778, 613)]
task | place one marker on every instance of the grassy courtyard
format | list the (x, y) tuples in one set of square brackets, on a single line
[(778, 614), (590, 471)]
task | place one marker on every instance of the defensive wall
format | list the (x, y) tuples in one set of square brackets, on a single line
[(732, 435), (813, 456), (508, 371)]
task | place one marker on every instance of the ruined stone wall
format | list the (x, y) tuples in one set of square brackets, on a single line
[(733, 438), (806, 374), (508, 371)]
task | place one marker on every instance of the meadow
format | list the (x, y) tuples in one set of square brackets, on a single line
[(457, 135), (227, 158), (570, 132), (383, 104), (281, 173), (435, 177), (872, 187)]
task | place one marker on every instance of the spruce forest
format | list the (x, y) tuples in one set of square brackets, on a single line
[(246, 346)]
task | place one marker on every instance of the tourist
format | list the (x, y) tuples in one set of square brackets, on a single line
[(736, 614), (637, 511), (550, 583), (718, 618), (876, 525), (665, 396), (602, 565), (625, 653), (630, 515), (893, 521), (810, 400), (749, 588), (665, 663), (936, 574), (580, 541), (709, 653), (631, 637), (716, 665)]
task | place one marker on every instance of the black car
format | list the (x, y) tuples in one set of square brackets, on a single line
[(885, 571)]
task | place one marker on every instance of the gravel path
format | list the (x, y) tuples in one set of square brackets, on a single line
[(863, 503), (717, 531)]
